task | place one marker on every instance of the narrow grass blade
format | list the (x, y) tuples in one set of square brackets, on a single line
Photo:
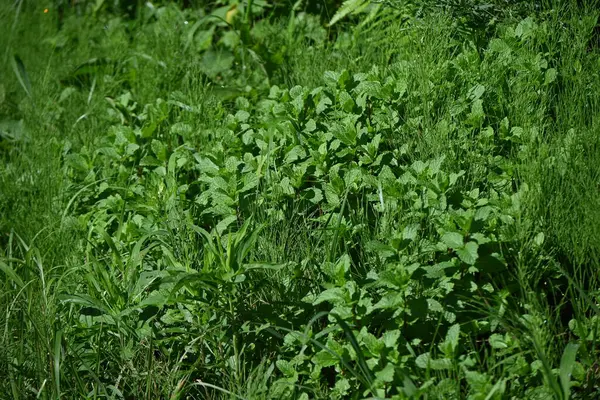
[(111, 244), (11, 274), (56, 365), (85, 301), (21, 73), (550, 378), (362, 362), (41, 389), (72, 200), (208, 385)]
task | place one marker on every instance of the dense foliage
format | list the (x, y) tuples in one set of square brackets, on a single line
[(263, 200)]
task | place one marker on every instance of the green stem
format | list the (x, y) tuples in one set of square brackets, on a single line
[(249, 13), (235, 343)]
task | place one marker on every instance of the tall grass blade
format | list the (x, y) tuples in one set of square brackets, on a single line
[(21, 73), (362, 362), (11, 274), (56, 365), (220, 389)]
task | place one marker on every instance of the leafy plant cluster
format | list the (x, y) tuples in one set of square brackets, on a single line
[(390, 310)]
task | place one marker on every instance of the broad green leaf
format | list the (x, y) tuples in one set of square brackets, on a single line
[(478, 382), (341, 388), (451, 342), (567, 362), (215, 62), (497, 341), (453, 240), (538, 240), (332, 197), (65, 94), (476, 92), (285, 367), (370, 88), (475, 118), (346, 101), (550, 76), (425, 361), (323, 103), (383, 250), (374, 345), (295, 153), (338, 270), (333, 296), (468, 253), (441, 364), (203, 40), (314, 195), (525, 28), (205, 165), (180, 128), (483, 213), (336, 79), (411, 232), (224, 224), (250, 181), (192, 32), (386, 374), (390, 338), (77, 162), (390, 301), (325, 359), (131, 148)]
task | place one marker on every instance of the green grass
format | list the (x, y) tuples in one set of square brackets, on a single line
[(403, 208)]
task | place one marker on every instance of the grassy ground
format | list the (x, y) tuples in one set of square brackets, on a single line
[(405, 206)]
